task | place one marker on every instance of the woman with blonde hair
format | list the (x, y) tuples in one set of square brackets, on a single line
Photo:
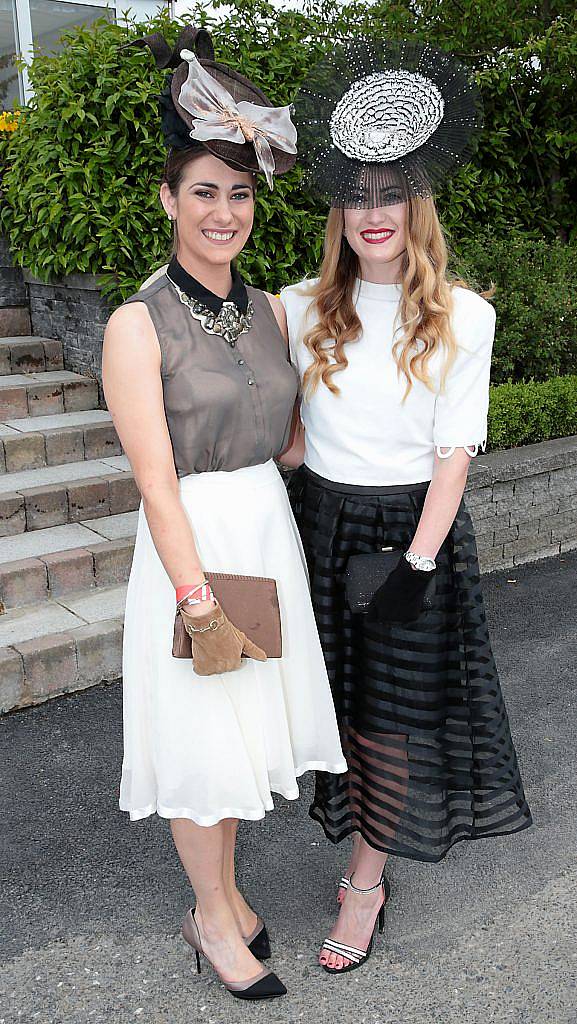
[(394, 360)]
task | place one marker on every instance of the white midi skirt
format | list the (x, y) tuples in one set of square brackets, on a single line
[(214, 747)]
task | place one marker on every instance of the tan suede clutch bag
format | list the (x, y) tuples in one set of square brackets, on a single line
[(251, 604)]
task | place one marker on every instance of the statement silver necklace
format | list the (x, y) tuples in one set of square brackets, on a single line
[(229, 323)]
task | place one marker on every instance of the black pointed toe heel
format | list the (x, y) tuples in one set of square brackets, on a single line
[(358, 957), (267, 986), (258, 941), (264, 985)]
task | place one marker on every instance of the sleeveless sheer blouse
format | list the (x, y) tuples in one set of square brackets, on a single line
[(227, 407)]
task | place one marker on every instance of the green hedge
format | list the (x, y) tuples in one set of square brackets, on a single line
[(525, 413), (83, 170), (80, 185), (535, 301)]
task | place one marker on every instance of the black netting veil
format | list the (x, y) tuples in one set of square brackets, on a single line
[(380, 121)]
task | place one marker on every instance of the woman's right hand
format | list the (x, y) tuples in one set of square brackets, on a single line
[(217, 645)]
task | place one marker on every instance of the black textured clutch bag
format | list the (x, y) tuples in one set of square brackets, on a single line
[(364, 575)]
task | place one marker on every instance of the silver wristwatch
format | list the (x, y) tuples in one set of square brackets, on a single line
[(421, 562)]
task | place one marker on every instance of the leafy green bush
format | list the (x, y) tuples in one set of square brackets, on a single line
[(82, 171), (81, 184), (525, 413), (535, 302), (92, 132), (74, 197)]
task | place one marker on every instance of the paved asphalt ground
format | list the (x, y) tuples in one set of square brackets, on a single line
[(92, 904)]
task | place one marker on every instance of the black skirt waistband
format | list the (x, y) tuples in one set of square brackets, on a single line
[(331, 485)]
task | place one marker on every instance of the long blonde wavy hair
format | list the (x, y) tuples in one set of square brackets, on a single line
[(425, 308)]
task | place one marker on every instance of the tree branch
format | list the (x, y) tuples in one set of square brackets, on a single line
[(529, 143)]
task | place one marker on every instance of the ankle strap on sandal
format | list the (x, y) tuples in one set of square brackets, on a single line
[(372, 888)]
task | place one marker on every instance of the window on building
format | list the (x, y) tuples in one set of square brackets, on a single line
[(28, 26), (9, 85), (51, 18)]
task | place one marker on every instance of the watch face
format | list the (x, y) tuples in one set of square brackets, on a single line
[(422, 562)]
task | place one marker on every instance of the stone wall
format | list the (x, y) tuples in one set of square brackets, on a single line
[(12, 287), (14, 315), (73, 311), (523, 502)]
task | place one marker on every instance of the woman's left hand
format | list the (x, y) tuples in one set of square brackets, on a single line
[(400, 598)]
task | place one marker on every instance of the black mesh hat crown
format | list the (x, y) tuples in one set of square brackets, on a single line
[(380, 121)]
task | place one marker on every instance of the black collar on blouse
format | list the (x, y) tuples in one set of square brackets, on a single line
[(195, 290)]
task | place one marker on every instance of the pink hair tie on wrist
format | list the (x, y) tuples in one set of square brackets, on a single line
[(191, 594)]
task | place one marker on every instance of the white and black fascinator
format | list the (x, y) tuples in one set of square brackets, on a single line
[(382, 120)]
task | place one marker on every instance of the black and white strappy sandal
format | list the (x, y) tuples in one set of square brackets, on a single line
[(357, 956), (342, 887)]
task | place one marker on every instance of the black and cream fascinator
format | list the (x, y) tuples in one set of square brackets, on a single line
[(207, 105), (380, 121)]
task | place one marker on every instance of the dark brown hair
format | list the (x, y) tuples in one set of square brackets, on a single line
[(176, 162)]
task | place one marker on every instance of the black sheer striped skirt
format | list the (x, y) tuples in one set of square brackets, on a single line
[(423, 722)]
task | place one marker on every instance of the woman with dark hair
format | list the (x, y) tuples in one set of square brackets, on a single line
[(198, 381), (394, 358)]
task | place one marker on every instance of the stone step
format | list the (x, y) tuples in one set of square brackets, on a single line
[(75, 642), (45, 393), (30, 355), (62, 473), (37, 499), (38, 441), (67, 524), (64, 538), (48, 575), (59, 614)]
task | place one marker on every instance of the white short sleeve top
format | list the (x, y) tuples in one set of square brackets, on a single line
[(367, 435)]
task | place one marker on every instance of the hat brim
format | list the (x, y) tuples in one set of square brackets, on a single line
[(240, 157)]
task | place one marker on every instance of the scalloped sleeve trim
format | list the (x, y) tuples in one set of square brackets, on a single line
[(471, 449)]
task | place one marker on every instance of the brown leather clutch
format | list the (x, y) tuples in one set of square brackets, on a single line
[(251, 604)]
